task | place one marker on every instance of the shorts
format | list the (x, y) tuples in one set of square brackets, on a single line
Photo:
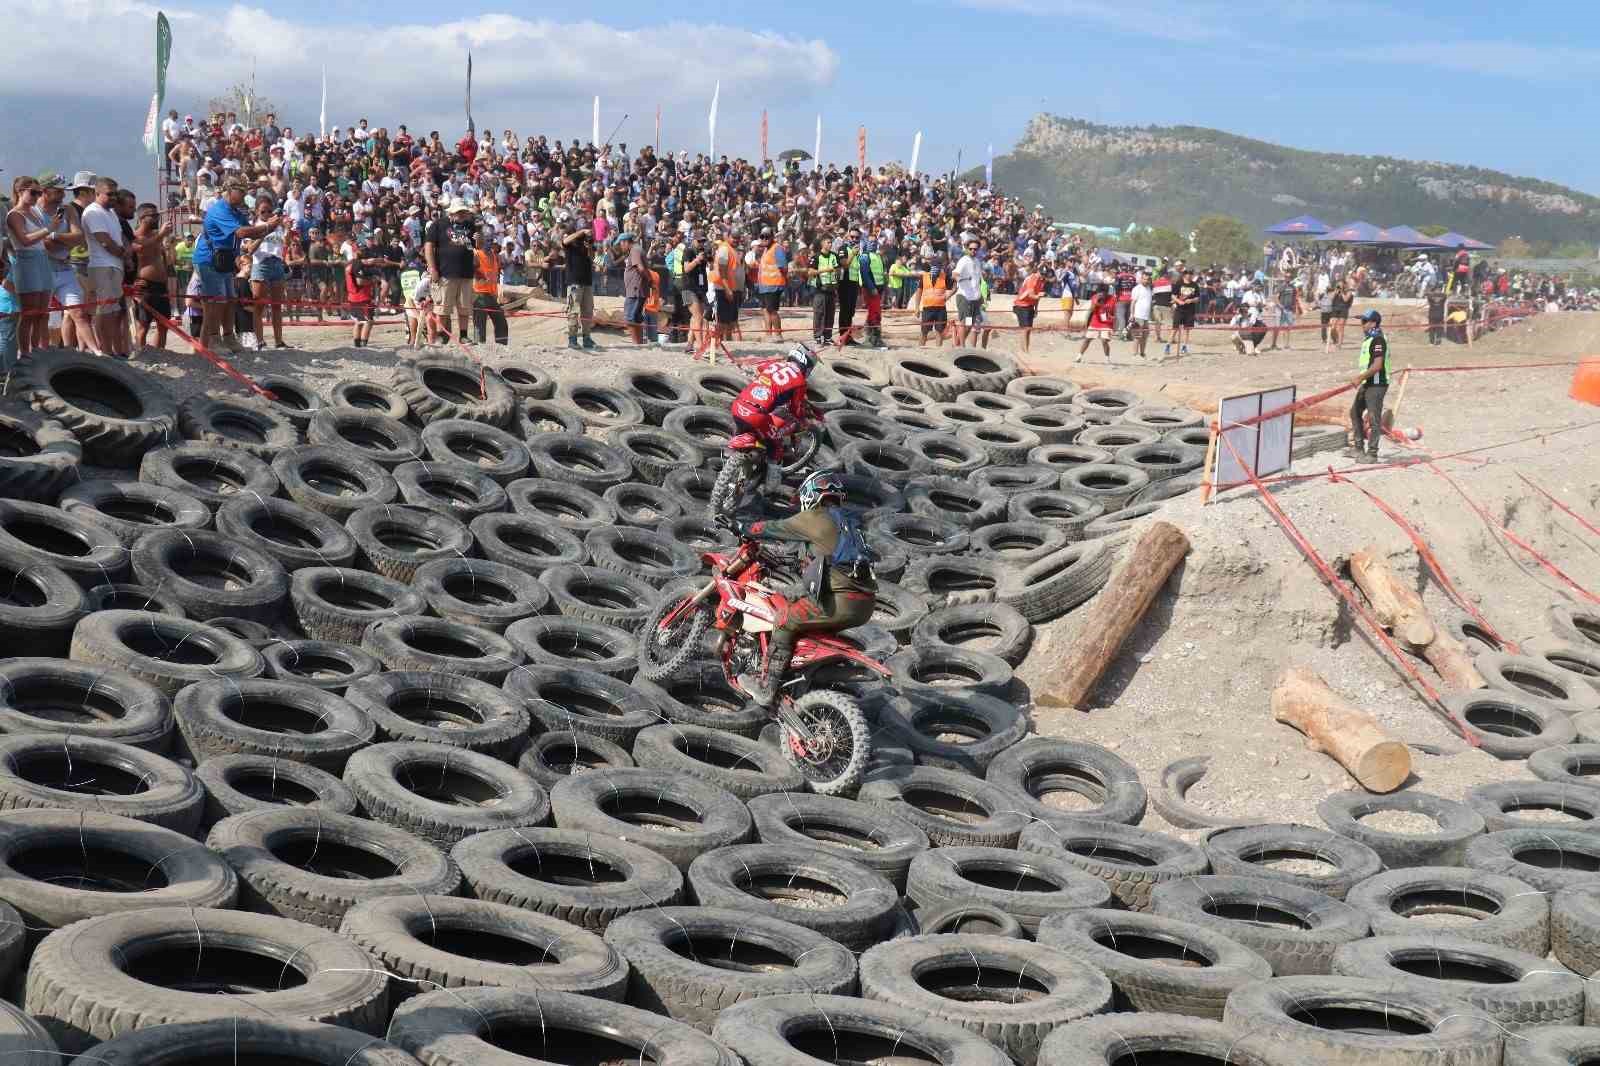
[(458, 296), (214, 284), (107, 285), (361, 312), (968, 311), (1025, 316), (770, 301), (1141, 325), (1183, 317), (268, 269), (1098, 334), (31, 273), (691, 296), (155, 297), (633, 310), (1163, 314), (934, 316), (1285, 318), (68, 290), (727, 308)]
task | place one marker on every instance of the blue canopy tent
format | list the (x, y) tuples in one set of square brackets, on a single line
[(1456, 240), (1299, 226), (1355, 233), (1411, 238)]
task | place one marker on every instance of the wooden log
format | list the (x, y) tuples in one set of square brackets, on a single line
[(1396, 607), (1332, 725), (1115, 613), (1449, 657)]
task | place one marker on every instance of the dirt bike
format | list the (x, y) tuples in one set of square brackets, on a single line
[(823, 733), (747, 458)]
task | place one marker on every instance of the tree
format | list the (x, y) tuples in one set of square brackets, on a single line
[(251, 106), (1515, 248), (1221, 239), (1168, 243), (1433, 229)]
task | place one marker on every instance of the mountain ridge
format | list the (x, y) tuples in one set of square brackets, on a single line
[(1175, 175)]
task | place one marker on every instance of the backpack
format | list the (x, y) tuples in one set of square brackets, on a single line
[(852, 555)]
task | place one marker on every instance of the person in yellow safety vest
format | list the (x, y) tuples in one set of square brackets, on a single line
[(825, 298), (899, 291), (932, 296), (772, 274), (1372, 385), (725, 265), (872, 281)]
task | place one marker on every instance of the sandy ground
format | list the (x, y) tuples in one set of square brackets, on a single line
[(1195, 678)]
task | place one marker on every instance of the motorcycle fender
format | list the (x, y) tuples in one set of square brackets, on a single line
[(752, 624)]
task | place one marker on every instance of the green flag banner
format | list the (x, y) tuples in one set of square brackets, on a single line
[(152, 122)]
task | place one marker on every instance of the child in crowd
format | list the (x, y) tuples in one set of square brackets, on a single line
[(358, 291)]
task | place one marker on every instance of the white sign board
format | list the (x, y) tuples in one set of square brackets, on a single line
[(1259, 449)]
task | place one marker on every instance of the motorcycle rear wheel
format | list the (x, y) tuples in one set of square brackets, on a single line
[(834, 758), (734, 481)]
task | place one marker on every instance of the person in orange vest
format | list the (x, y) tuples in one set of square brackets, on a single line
[(723, 283), (772, 274), (486, 291), (1026, 303), (930, 300), (652, 301)]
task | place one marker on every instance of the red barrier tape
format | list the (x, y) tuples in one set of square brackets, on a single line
[(1569, 512), (206, 353)]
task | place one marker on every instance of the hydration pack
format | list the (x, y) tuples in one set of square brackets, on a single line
[(852, 555)]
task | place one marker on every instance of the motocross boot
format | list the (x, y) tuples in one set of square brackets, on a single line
[(763, 690)]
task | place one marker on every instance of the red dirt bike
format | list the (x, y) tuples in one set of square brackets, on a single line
[(747, 459), (824, 735)]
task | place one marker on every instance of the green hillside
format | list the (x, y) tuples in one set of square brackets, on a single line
[(1175, 175)]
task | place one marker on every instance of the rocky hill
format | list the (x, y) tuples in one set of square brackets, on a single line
[(1174, 175)]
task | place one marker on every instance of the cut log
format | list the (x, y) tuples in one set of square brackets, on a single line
[(1114, 614), (1333, 725), (1396, 606), (1448, 656)]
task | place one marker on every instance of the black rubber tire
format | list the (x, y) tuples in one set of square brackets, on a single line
[(805, 1030), (130, 509), (1233, 906), (58, 696), (435, 708), (920, 717), (1580, 659), (1165, 419), (581, 877), (707, 428), (1004, 444), (1516, 990), (1366, 1021), (1041, 391), (296, 536), (290, 400), (477, 592), (1028, 885), (442, 388), (695, 817), (321, 664), (644, 506), (1575, 929), (256, 634), (254, 427), (534, 418), (395, 540), (210, 474), (923, 794), (42, 605), (596, 594), (995, 628), (1555, 1045), (955, 500), (313, 865), (432, 942), (843, 900), (970, 917), (1162, 459), (1066, 457), (916, 534), (936, 376), (374, 437), (489, 450), (1118, 436), (992, 971), (173, 559), (443, 794), (562, 504), (928, 669), (529, 382), (1511, 725), (453, 489), (167, 652), (82, 549), (560, 753), (336, 482), (1017, 543), (1052, 586), (1502, 910), (1111, 484), (572, 459), (338, 605), (1117, 402), (601, 406), (121, 596), (1497, 804), (943, 455), (738, 764), (1112, 1039), (1156, 964), (1548, 859), (951, 581), (657, 393), (686, 960), (1069, 512), (869, 835), (989, 371), (565, 697), (640, 553), (75, 388), (1574, 624), (1524, 675), (88, 774), (87, 985), (1168, 488), (1039, 766), (466, 1027), (850, 424), (654, 454), (1250, 851), (694, 487), (1052, 425), (892, 463), (1569, 764), (238, 784), (548, 640), (42, 458), (58, 867), (1131, 861), (278, 719), (363, 395), (418, 642), (528, 544), (844, 367)]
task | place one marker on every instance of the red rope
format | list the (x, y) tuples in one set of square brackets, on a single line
[(1569, 512)]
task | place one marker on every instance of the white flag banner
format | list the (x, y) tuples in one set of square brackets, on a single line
[(716, 94), (150, 122), (988, 169), (916, 150), (322, 118), (816, 153), (594, 138)]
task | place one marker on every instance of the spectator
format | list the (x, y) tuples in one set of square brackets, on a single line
[(1142, 305), (932, 295), (360, 280), (969, 278), (825, 290), (1185, 306), (269, 274), (1102, 321), (771, 279), (486, 292), (27, 229), (449, 248), (1026, 305), (152, 285), (103, 230), (62, 246), (635, 285), (577, 243), (216, 261)]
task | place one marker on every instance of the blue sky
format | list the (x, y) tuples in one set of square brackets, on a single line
[(1508, 87)]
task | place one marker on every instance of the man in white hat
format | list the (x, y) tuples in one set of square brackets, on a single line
[(449, 249)]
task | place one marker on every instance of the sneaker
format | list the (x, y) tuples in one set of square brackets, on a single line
[(589, 345), (1166, 349), (572, 342), (1183, 350), (1353, 452)]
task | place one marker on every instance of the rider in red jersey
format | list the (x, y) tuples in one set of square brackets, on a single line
[(774, 405)]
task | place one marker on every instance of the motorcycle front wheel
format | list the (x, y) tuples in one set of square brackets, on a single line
[(824, 735), (803, 448), (665, 650)]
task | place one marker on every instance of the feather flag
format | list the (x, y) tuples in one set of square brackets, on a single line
[(716, 94)]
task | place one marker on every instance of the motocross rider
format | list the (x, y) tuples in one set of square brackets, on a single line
[(842, 587), (773, 406)]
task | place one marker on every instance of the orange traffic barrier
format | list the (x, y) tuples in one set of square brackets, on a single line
[(1586, 382)]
